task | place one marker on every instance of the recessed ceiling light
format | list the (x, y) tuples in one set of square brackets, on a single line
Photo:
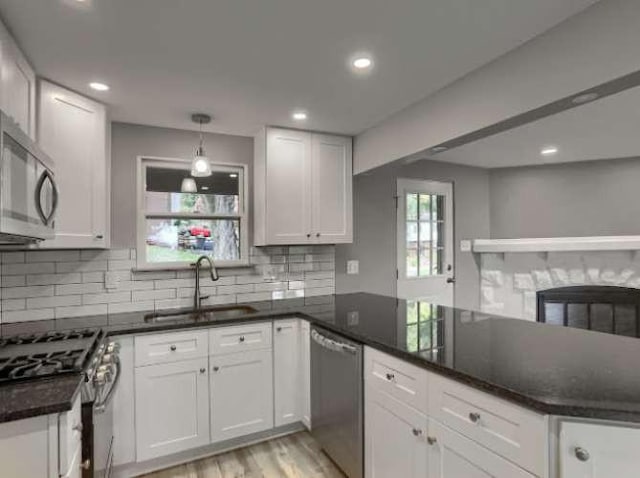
[(548, 151), (205, 188), (299, 115), (580, 99), (99, 86), (362, 62), (233, 175)]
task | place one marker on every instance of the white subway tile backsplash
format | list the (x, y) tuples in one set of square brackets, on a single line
[(22, 269), (51, 279), (41, 285), (55, 301), (52, 256), (81, 310)]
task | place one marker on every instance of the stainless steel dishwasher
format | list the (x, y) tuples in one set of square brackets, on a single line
[(337, 400)]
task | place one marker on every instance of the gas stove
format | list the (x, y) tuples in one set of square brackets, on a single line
[(46, 355)]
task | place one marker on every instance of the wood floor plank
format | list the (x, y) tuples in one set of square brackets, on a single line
[(292, 456)]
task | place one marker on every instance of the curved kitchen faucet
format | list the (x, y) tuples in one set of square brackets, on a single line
[(197, 298)]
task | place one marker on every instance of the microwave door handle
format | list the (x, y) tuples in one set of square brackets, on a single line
[(46, 219)]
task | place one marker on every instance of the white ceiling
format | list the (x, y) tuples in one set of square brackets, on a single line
[(250, 63), (604, 129)]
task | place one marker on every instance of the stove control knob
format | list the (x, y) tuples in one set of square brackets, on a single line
[(107, 358), (102, 377), (106, 368), (113, 347)]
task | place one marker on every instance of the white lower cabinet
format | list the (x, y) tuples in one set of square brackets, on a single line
[(589, 450), (451, 455), (172, 407), (287, 371), (395, 438), (241, 394)]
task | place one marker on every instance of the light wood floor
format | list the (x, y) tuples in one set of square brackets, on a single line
[(292, 456)]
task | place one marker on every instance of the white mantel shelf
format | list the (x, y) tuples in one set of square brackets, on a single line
[(555, 244)]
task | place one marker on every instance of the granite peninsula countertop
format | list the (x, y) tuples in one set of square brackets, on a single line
[(550, 369)]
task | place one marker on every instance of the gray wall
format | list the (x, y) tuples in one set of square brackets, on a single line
[(375, 227), (590, 198), (130, 141)]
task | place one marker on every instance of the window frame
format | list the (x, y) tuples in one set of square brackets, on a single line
[(142, 214)]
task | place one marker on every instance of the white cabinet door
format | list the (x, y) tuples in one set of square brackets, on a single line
[(25, 446), (241, 394), (18, 84), (287, 371), (124, 432), (288, 186), (331, 190), (305, 364), (172, 408), (598, 451), (73, 130), (395, 438), (453, 456)]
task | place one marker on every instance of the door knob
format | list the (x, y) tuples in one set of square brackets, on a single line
[(582, 454)]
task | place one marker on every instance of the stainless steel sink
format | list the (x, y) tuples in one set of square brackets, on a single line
[(203, 314)]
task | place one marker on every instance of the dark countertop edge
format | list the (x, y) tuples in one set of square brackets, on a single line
[(59, 406), (532, 403)]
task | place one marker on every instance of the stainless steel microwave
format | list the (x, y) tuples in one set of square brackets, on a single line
[(28, 192)]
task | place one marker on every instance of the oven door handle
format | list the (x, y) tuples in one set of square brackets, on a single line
[(101, 406)]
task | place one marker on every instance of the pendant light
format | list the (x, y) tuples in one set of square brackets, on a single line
[(188, 186), (200, 166)]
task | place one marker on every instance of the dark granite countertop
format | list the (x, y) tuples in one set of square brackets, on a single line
[(550, 369)]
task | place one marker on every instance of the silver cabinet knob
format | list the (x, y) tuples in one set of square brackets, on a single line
[(216, 368), (317, 234), (279, 329), (309, 235), (242, 338), (99, 236), (173, 348), (203, 370), (582, 454), (390, 376), (416, 432), (432, 440), (474, 417)]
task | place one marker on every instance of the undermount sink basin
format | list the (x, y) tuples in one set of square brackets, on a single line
[(203, 314)]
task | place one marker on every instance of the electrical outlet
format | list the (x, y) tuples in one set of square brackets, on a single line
[(353, 267)]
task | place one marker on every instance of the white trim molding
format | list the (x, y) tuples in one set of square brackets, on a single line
[(557, 244)]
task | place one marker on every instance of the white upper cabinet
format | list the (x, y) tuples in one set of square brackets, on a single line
[(17, 84), (74, 131), (589, 450), (303, 188)]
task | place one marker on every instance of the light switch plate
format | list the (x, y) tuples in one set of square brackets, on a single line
[(353, 267), (465, 245)]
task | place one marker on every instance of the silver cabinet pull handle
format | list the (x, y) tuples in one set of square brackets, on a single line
[(390, 376), (474, 417), (99, 236), (582, 454), (416, 432), (432, 440), (173, 348)]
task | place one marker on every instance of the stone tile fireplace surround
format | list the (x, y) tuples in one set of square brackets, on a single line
[(510, 280)]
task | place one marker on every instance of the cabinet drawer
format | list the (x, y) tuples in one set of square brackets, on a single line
[(396, 377), (170, 347), (223, 340), (513, 432), (70, 438)]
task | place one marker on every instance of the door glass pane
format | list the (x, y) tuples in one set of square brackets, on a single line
[(216, 194), (412, 207), (180, 240), (427, 236), (412, 262)]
